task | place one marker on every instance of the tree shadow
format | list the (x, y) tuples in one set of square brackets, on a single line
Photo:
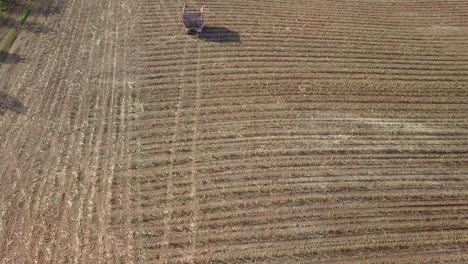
[(52, 10), (219, 35), (29, 25), (18, 8), (6, 57), (10, 103), (35, 27)]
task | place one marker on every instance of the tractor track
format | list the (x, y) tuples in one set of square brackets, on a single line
[(290, 132)]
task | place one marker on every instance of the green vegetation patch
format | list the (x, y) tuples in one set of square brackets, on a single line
[(26, 12), (8, 41), (10, 38), (3, 8), (3, 5)]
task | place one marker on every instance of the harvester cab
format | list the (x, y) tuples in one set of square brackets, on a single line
[(194, 19)]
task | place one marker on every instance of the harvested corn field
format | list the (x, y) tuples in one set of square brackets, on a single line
[(286, 132)]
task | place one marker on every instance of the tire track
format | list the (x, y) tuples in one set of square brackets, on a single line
[(326, 132), (194, 173), (170, 185)]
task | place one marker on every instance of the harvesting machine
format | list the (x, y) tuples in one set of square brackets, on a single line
[(194, 19)]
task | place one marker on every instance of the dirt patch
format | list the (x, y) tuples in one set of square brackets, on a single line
[(13, 9), (287, 133)]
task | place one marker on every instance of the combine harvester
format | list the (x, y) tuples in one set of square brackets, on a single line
[(194, 20)]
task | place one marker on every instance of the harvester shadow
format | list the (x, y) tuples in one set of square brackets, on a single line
[(6, 57), (10, 103), (219, 35)]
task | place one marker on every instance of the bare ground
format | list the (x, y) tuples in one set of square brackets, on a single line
[(289, 132)]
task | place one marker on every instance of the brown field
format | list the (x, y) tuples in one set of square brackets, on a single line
[(292, 131)]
